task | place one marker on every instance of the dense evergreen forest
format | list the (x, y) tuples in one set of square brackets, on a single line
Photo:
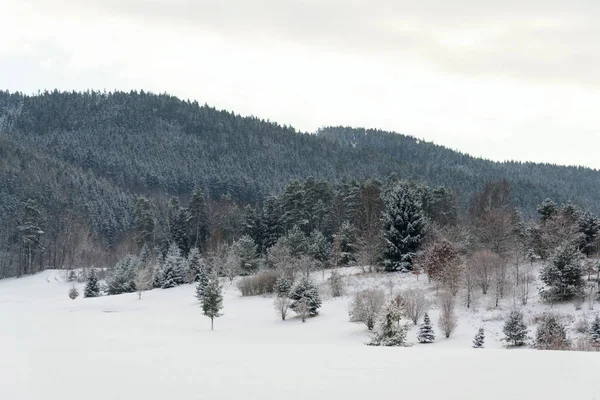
[(84, 176)]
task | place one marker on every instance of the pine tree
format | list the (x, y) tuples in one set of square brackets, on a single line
[(319, 247), (271, 223), (547, 210), (514, 329), (346, 244), (282, 286), (551, 335), (479, 339), (212, 300), (595, 332), (403, 227), (426, 333), (196, 220), (72, 276), (144, 222), (173, 268), (73, 293), (122, 277), (195, 264), (245, 250), (30, 234), (564, 275), (203, 280), (305, 298), (389, 331), (590, 228), (296, 240), (92, 287)]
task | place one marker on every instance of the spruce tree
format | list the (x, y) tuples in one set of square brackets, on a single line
[(346, 245), (426, 333), (305, 297), (595, 332), (296, 240), (173, 273), (389, 331), (282, 286), (92, 287), (590, 229), (246, 251), (196, 220), (479, 339), (144, 222), (72, 276), (212, 300), (122, 277), (547, 210), (203, 279), (563, 276), (514, 329), (403, 227)]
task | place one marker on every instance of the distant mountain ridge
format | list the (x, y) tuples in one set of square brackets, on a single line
[(94, 152)]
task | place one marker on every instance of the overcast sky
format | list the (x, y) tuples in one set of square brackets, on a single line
[(499, 79)]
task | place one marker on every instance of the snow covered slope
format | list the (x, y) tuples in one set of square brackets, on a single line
[(161, 347)]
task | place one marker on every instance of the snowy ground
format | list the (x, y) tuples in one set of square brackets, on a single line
[(161, 347)]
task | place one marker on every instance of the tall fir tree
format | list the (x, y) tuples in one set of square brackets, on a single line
[(144, 222), (245, 250), (590, 229), (30, 234), (426, 333), (92, 287), (197, 221), (403, 227), (346, 246)]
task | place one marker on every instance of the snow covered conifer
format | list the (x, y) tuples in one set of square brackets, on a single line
[(389, 332), (173, 268), (305, 297), (282, 301), (479, 339), (564, 275), (92, 287), (193, 263), (202, 278), (403, 227), (426, 333), (514, 329), (595, 332), (73, 293), (72, 276), (122, 277), (212, 301), (551, 335)]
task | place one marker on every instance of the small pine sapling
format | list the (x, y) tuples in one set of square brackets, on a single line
[(595, 332), (73, 293), (479, 339), (212, 301), (515, 330), (426, 333), (92, 287)]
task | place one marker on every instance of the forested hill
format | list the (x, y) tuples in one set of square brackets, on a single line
[(438, 165), (94, 152)]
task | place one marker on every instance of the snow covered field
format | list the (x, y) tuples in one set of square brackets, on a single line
[(161, 347)]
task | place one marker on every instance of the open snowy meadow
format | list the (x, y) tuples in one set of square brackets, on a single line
[(161, 347)]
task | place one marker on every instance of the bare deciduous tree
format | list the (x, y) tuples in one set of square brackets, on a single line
[(366, 306), (282, 305), (483, 264), (143, 279), (415, 304), (447, 321)]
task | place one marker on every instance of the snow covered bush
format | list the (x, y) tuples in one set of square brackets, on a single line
[(515, 331), (551, 335), (479, 339), (447, 321), (122, 277), (366, 306), (259, 284), (306, 300), (426, 333), (415, 304)]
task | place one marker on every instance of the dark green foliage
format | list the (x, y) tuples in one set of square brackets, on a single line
[(296, 241), (563, 276), (345, 246), (305, 294), (515, 330), (197, 220), (245, 250), (595, 331), (144, 222), (547, 210), (403, 227), (212, 300), (590, 228), (73, 293), (282, 286), (92, 287)]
